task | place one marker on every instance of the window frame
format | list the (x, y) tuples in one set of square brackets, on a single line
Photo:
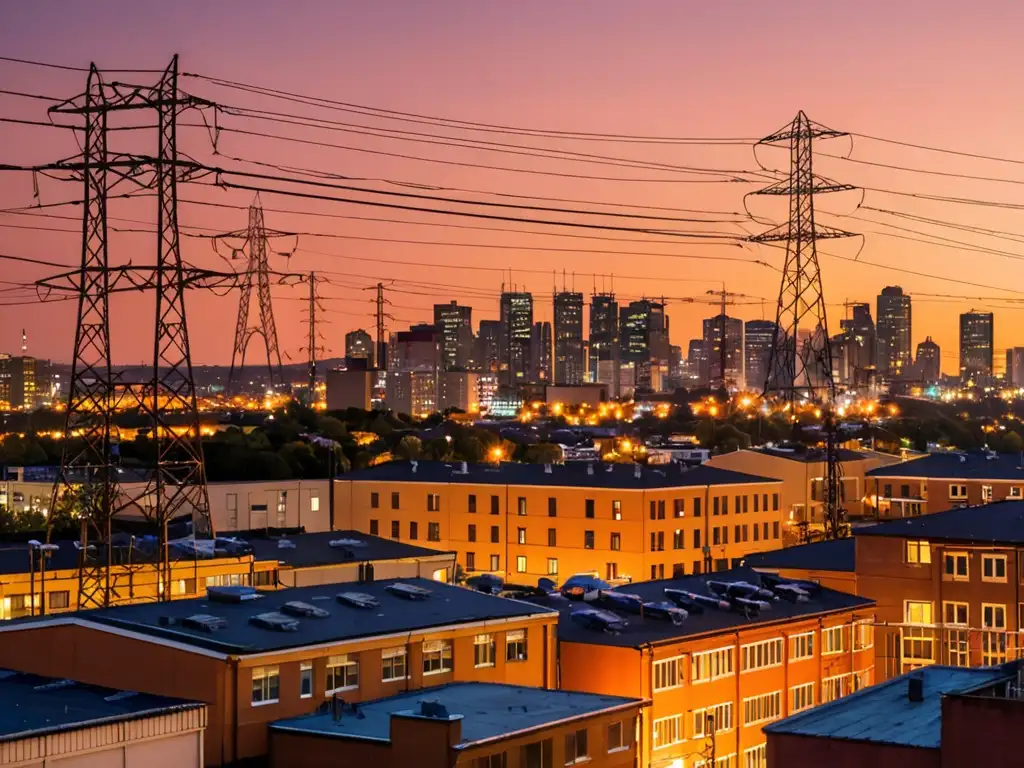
[(267, 674), (956, 557), (697, 661), (305, 675), (343, 663), (793, 689), (386, 661), (678, 728), (986, 558), (487, 642), (577, 737), (515, 638), (441, 651), (660, 664)]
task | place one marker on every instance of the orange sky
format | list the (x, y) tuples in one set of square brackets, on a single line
[(935, 73)]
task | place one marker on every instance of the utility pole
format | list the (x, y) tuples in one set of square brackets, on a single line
[(725, 298), (804, 371), (382, 363), (313, 335)]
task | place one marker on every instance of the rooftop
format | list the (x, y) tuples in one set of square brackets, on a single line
[(1000, 522), (488, 711), (706, 619), (834, 555), (885, 714), (32, 706), (973, 465), (582, 475), (805, 454), (308, 550)]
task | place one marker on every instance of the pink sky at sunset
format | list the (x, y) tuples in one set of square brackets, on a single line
[(939, 74)]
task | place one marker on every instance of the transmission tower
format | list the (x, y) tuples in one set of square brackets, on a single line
[(800, 369), (313, 336), (257, 270), (176, 486)]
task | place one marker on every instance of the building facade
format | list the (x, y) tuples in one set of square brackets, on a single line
[(359, 344), (539, 368), (893, 331), (455, 323), (758, 337), (928, 360), (604, 340), (569, 365), (516, 334), (732, 353), (976, 344)]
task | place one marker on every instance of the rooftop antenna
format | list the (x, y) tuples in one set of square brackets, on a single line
[(24, 342)]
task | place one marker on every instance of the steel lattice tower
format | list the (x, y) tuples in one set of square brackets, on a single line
[(258, 270), (801, 369)]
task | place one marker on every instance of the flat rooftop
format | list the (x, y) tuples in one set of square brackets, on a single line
[(488, 711), (573, 474), (309, 550), (968, 465), (642, 630), (445, 605), (1001, 522), (811, 455), (32, 706), (884, 713), (834, 555)]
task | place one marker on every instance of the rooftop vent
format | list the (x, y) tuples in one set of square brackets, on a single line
[(590, 469), (488, 583), (235, 594), (345, 543), (547, 469), (120, 696), (637, 469), (275, 621), (787, 588), (433, 708), (358, 599), (734, 589), (583, 586), (285, 544), (54, 685), (414, 465), (665, 611), (598, 620), (204, 622), (915, 687), (688, 600), (408, 591), (303, 610)]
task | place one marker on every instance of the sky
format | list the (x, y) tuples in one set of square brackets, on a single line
[(938, 74)]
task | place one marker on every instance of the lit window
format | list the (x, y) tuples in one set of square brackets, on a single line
[(515, 645), (483, 651), (393, 664), (576, 747), (668, 731), (437, 657), (919, 552), (314, 503), (711, 665), (342, 674), (756, 757), (801, 646), (712, 720), (552, 566), (832, 640), (521, 563), (837, 687), (801, 697), (763, 708), (767, 653), (668, 673), (266, 685), (306, 680)]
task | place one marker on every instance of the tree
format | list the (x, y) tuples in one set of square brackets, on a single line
[(409, 448), (543, 453)]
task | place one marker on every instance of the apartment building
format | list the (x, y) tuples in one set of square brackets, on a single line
[(464, 725), (941, 481), (724, 666), (947, 587), (47, 722), (831, 563), (531, 521), (255, 658)]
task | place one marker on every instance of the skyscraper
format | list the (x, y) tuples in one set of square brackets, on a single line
[(975, 344), (696, 363), (858, 347), (643, 339), (757, 352), (728, 331), (456, 325), (893, 331), (488, 346), (359, 344), (540, 352), (1014, 367), (929, 360), (516, 330), (568, 338), (604, 340)]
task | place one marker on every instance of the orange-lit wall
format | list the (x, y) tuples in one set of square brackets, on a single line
[(935, 493)]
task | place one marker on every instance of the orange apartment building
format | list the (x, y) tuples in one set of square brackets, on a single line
[(530, 521), (467, 725), (257, 657), (941, 481), (741, 665)]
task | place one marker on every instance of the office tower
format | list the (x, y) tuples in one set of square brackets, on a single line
[(893, 331), (675, 363), (359, 343), (858, 347), (516, 329), (696, 366), (488, 346), (643, 339), (568, 338), (1015, 367), (455, 322), (604, 341), (418, 349), (540, 352), (757, 352), (929, 360), (21, 384), (731, 328), (975, 344)]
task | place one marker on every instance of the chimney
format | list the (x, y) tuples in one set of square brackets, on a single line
[(547, 469), (915, 687), (636, 471)]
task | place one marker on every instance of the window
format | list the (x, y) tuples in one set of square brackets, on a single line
[(616, 510), (745, 509), (521, 563), (536, 755), (552, 537), (668, 731), (471, 561), (919, 552), (499, 760), (993, 567), (833, 688), (616, 542), (661, 509), (414, 530), (1015, 492), (763, 708), (767, 653), (433, 502), (955, 613), (756, 498), (617, 737), (231, 500), (716, 537), (775, 529), (552, 566), (392, 664), (495, 505), (266, 685), (678, 539), (832, 640), (521, 506), (657, 541), (678, 508), (658, 571), (515, 645), (588, 507), (495, 562), (576, 747), (715, 506), (955, 567), (552, 506), (696, 538), (495, 534), (863, 635), (668, 673), (483, 651), (396, 532), (654, 510), (374, 527), (712, 720), (756, 757), (306, 680), (861, 679), (725, 505), (282, 508), (188, 586), (775, 503), (757, 535), (472, 506), (993, 642), (711, 665), (958, 491), (588, 539), (374, 500), (342, 673), (394, 500), (521, 535), (471, 533), (62, 599), (801, 697), (437, 656), (986, 493), (696, 507)]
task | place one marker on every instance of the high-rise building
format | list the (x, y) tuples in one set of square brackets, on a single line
[(568, 338), (418, 349), (675, 364), (858, 347), (359, 344), (455, 322), (893, 331), (757, 352), (696, 366), (516, 330), (643, 339), (21, 382), (728, 331), (928, 360), (488, 356), (1015, 367), (604, 340), (540, 352), (976, 344)]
